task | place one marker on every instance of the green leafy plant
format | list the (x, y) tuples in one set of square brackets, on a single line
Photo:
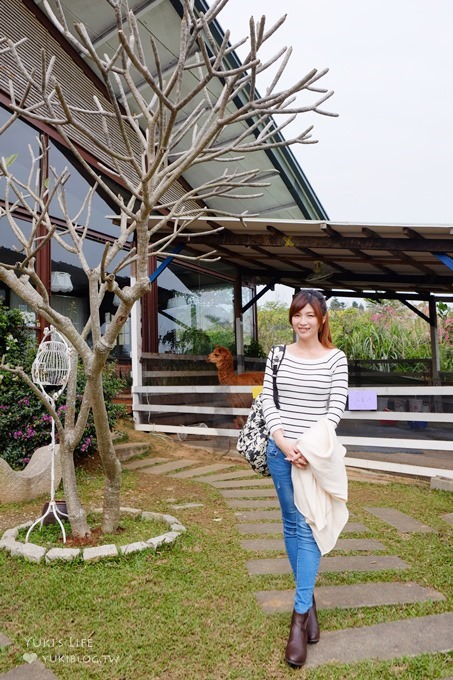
[(25, 424), (254, 349)]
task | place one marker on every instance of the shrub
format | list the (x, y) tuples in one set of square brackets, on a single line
[(254, 349), (25, 424)]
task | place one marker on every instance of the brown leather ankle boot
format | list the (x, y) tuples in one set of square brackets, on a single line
[(313, 632), (296, 648)]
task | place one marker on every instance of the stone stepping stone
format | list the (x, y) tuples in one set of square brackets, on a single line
[(346, 597), (399, 520), (353, 544), (441, 482), (261, 528), (280, 565), (4, 641), (249, 493), (241, 503), (448, 517), (237, 474), (383, 641), (128, 450), (170, 466), (242, 483), (350, 544), (206, 470), (187, 506), (362, 563), (258, 515), (144, 462), (354, 528), (29, 671)]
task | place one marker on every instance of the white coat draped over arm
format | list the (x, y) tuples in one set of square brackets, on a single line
[(321, 487)]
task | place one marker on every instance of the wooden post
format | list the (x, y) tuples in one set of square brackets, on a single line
[(238, 327), (433, 327)]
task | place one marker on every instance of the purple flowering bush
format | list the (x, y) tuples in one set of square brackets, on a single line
[(25, 424)]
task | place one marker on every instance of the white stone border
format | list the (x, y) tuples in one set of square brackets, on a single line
[(36, 553)]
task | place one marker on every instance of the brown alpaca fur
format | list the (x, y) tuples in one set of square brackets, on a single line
[(223, 359)]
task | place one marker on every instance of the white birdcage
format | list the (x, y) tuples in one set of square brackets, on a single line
[(52, 362), (51, 369)]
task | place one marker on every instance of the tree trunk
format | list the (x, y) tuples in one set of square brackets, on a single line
[(110, 462), (76, 513)]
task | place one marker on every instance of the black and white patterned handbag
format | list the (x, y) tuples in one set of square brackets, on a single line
[(254, 435)]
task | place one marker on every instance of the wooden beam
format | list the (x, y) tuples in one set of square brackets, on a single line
[(268, 240)]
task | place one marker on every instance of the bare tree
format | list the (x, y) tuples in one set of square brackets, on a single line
[(147, 144)]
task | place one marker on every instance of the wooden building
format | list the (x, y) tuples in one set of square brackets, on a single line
[(290, 241)]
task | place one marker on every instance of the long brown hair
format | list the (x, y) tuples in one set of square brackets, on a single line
[(318, 302)]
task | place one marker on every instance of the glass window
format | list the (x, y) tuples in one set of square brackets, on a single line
[(16, 302), (248, 319), (11, 249), (69, 285), (75, 308), (76, 190), (15, 142), (68, 277), (195, 311)]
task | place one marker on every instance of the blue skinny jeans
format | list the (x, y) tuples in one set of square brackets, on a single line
[(301, 547)]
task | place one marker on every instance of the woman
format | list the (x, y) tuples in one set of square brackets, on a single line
[(312, 383)]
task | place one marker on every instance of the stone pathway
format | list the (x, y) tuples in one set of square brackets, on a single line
[(258, 518), (345, 544)]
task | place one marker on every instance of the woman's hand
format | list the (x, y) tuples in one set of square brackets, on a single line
[(289, 449), (296, 458), (301, 462)]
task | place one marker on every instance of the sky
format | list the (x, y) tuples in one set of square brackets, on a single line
[(388, 157)]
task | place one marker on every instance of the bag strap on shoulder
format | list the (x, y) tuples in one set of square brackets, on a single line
[(278, 352)]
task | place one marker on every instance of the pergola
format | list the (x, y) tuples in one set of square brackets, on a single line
[(409, 263)]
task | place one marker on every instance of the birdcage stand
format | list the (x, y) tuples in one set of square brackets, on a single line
[(51, 368)]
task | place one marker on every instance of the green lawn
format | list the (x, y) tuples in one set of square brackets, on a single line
[(189, 611)]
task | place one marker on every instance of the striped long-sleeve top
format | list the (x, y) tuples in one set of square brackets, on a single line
[(308, 390)]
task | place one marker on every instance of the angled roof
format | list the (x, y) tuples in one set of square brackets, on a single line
[(289, 195), (292, 241)]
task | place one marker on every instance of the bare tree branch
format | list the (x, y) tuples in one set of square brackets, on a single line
[(156, 119)]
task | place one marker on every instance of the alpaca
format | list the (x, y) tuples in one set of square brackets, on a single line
[(223, 359)]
